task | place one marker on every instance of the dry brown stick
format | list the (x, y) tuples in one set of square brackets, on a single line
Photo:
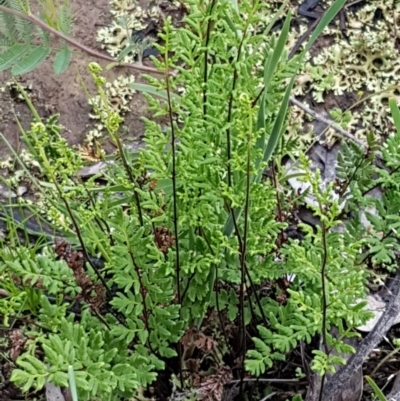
[(73, 42), (340, 380), (330, 123), (303, 38)]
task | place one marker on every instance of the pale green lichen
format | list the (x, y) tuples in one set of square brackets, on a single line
[(118, 94), (128, 17), (366, 64)]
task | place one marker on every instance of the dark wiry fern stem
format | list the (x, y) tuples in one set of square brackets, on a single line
[(103, 225), (82, 243), (131, 178), (189, 280), (175, 197), (230, 107), (255, 101), (243, 260), (242, 245), (143, 293), (220, 317), (228, 133), (324, 300), (278, 203), (221, 320), (324, 297), (205, 78), (252, 286), (253, 289), (351, 179), (84, 250), (174, 190)]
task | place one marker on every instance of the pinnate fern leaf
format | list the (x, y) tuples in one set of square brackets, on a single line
[(35, 58)]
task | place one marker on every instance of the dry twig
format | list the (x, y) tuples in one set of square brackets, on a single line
[(330, 123)]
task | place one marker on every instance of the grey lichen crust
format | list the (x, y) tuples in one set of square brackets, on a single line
[(128, 17), (365, 66), (118, 94)]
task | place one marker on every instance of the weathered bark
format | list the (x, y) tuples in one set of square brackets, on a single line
[(352, 392), (343, 377)]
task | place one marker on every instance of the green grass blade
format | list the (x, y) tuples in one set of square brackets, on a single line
[(395, 114), (276, 56), (277, 129), (269, 69), (377, 391), (126, 51), (72, 384), (280, 119), (276, 17), (325, 20), (151, 90)]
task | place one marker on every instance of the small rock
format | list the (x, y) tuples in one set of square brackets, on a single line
[(92, 170), (53, 393), (7, 193), (378, 307), (22, 190)]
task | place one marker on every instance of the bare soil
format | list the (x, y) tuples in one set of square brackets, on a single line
[(63, 94)]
